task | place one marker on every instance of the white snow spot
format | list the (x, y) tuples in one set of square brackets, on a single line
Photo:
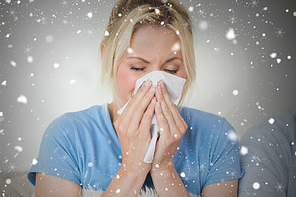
[(8, 1), (89, 14), (72, 81), (190, 9), (244, 150), (117, 191), (22, 99), (289, 57), (8, 181), (30, 59), (230, 35), (273, 55), (177, 32), (90, 164), (4, 83), (19, 139), (79, 31), (278, 60), (183, 174), (130, 50), (18, 148), (13, 63), (1, 113), (157, 11), (256, 185), (106, 33), (119, 15), (49, 38), (176, 47), (235, 92), (203, 25), (232, 136), (34, 162), (56, 65), (271, 120), (294, 13)]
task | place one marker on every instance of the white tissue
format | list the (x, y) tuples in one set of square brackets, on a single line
[(174, 86)]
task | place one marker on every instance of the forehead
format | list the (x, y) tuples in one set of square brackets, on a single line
[(155, 41), (147, 34)]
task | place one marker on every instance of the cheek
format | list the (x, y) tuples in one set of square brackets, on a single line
[(182, 74), (126, 83)]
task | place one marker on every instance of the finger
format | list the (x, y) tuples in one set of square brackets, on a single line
[(147, 117), (165, 110), (163, 124), (123, 121), (170, 106), (137, 97), (127, 112)]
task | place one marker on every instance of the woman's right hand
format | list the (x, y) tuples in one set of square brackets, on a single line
[(133, 128), (133, 131)]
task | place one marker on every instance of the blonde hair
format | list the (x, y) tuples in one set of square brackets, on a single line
[(129, 15)]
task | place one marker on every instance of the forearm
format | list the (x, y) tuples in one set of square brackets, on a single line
[(126, 183), (168, 183)]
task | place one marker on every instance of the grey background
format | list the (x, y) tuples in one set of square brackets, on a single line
[(49, 64)]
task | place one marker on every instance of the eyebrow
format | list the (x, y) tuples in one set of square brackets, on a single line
[(147, 62), (135, 57)]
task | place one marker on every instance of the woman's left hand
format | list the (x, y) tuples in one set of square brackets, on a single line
[(172, 128)]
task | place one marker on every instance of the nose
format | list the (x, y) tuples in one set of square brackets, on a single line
[(156, 67)]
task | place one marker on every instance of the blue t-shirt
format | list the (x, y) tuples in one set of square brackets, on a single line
[(83, 147)]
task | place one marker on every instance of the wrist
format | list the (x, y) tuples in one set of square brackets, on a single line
[(164, 171), (136, 170), (165, 166)]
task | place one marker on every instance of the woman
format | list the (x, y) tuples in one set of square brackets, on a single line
[(196, 152)]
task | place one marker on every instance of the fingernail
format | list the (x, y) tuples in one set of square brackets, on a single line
[(151, 89), (161, 83), (153, 100), (158, 104), (147, 82)]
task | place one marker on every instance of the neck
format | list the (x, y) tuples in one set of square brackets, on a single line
[(113, 112)]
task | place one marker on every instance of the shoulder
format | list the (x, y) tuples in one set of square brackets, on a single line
[(79, 120), (94, 112), (204, 120), (206, 128)]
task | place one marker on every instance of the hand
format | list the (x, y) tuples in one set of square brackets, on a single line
[(133, 129), (172, 128)]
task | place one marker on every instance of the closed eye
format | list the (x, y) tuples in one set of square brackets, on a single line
[(136, 69), (171, 71)]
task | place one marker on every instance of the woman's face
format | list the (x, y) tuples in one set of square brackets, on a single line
[(151, 49)]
